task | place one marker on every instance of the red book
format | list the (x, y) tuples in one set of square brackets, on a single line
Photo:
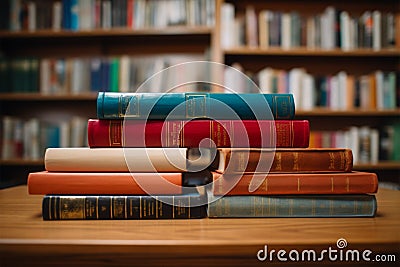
[(88, 183), (196, 133), (130, 12), (296, 183)]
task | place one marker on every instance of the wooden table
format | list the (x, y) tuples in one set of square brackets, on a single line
[(25, 239)]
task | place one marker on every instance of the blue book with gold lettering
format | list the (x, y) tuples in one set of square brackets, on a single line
[(293, 206), (183, 106)]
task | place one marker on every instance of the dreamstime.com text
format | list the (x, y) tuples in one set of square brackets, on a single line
[(338, 253)]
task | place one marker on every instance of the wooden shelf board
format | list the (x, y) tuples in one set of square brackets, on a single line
[(383, 165), (49, 97), (389, 52), (21, 162), (172, 30), (355, 112)]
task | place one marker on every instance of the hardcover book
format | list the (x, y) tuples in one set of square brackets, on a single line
[(198, 133), (295, 183), (103, 207), (109, 183), (293, 206), (84, 159), (283, 160), (194, 105)]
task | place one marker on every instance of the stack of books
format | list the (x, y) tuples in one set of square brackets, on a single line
[(166, 156), (139, 162), (302, 182)]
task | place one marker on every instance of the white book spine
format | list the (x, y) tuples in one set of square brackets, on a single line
[(374, 135), (56, 16), (251, 27), (334, 93), (345, 30), (45, 76), (308, 92), (84, 14), (376, 30), (265, 80), (34, 126), (342, 89), (380, 90), (352, 142), (365, 88), (124, 73), (286, 29), (227, 25), (65, 134), (106, 12), (295, 77), (263, 29), (32, 16), (78, 132)]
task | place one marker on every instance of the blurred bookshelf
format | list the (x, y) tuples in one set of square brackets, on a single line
[(197, 33), (307, 49)]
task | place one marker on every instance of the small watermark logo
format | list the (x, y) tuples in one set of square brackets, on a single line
[(339, 253), (341, 243)]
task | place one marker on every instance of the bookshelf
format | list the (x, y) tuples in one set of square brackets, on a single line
[(186, 31), (258, 45), (204, 39)]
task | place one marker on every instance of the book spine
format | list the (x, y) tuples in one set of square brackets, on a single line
[(224, 133), (115, 159), (102, 183), (293, 206), (56, 207), (284, 161), (296, 184), (194, 105)]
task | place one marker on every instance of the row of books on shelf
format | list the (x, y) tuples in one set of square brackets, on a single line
[(341, 91), (76, 15), (82, 75), (330, 29), (172, 182), (29, 139), (369, 145)]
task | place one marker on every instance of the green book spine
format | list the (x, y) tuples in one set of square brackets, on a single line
[(293, 206), (195, 105), (67, 207), (114, 72), (396, 142)]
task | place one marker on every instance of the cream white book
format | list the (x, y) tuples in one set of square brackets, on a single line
[(84, 159)]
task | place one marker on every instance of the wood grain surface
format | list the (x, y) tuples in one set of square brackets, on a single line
[(27, 240)]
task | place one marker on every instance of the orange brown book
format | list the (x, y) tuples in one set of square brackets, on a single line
[(305, 160), (296, 183), (104, 183)]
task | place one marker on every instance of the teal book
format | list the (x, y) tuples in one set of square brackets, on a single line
[(195, 105), (114, 75), (129, 207), (293, 206)]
